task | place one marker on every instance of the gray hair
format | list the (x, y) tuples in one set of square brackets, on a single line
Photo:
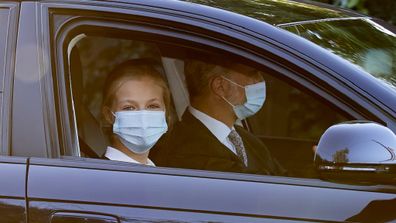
[(199, 74)]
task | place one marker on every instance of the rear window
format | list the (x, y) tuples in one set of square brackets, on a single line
[(360, 41)]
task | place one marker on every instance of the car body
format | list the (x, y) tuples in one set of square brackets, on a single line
[(50, 139)]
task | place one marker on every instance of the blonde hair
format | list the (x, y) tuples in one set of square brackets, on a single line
[(135, 70)]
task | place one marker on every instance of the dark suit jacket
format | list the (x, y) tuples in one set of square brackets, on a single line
[(191, 145)]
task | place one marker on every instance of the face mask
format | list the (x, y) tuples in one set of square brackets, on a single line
[(255, 97), (139, 130)]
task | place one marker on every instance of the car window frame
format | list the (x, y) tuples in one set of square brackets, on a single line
[(154, 32), (12, 10), (68, 136)]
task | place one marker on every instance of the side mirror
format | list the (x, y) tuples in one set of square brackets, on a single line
[(358, 152)]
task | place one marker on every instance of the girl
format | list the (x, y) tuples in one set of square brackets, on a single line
[(136, 102)]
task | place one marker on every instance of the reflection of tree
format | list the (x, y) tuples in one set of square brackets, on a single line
[(270, 11), (356, 41), (384, 9), (351, 39), (341, 156)]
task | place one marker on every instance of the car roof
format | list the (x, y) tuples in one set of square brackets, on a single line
[(275, 12), (279, 12), (256, 18)]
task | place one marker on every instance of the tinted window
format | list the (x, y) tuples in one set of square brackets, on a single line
[(291, 123), (291, 113), (91, 59), (98, 57)]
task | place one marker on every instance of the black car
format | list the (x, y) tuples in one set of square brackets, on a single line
[(54, 58)]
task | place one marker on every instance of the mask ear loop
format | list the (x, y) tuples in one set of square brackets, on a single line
[(227, 101), (232, 106), (232, 82)]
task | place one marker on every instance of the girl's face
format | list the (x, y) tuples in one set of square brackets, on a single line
[(142, 94)]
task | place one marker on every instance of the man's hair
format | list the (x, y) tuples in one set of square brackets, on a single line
[(199, 73)]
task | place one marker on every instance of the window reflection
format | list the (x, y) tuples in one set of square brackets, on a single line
[(360, 41)]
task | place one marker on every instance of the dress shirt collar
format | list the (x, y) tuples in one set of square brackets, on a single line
[(217, 128), (117, 155)]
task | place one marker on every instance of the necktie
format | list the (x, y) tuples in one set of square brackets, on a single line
[(239, 147)]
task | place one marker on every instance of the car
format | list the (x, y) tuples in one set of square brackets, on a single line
[(323, 66)]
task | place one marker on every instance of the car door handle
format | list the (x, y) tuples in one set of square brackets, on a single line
[(80, 217)]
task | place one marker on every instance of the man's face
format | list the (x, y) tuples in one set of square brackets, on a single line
[(234, 93)]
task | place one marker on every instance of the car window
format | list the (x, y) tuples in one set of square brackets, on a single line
[(292, 113), (91, 59), (290, 122), (360, 41), (296, 111)]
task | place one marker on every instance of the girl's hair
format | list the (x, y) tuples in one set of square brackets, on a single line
[(136, 69)]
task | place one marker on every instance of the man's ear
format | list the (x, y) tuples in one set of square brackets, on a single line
[(217, 86), (108, 116)]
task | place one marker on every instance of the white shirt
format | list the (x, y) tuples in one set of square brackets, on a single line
[(217, 128), (117, 155)]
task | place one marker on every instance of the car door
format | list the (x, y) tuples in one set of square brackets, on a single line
[(106, 191), (91, 190), (13, 189), (85, 190)]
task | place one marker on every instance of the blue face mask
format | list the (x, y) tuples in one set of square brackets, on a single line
[(255, 97), (139, 130)]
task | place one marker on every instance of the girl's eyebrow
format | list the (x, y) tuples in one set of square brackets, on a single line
[(127, 100), (133, 101), (153, 99)]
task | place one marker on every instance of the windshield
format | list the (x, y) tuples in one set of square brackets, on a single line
[(360, 41)]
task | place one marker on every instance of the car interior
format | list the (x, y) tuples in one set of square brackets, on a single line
[(290, 122)]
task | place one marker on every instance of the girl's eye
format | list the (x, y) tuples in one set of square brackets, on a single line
[(153, 107), (128, 108)]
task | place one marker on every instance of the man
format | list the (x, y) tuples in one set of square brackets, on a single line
[(207, 137)]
